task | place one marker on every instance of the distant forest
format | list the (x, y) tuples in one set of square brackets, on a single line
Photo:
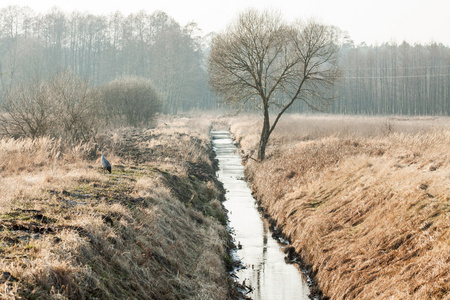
[(394, 79), (383, 80), (103, 48)]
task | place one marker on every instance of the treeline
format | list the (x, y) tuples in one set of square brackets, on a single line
[(387, 79), (394, 79), (102, 48)]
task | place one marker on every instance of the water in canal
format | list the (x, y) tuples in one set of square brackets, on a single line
[(265, 270)]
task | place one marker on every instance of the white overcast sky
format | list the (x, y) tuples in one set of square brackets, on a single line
[(372, 21)]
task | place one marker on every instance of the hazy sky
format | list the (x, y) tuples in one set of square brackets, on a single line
[(372, 21)]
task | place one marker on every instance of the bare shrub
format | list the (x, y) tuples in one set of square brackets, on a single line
[(131, 101), (26, 110), (63, 106), (77, 109)]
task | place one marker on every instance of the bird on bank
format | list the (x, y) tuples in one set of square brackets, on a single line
[(105, 163)]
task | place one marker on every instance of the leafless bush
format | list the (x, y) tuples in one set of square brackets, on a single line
[(78, 108), (26, 111), (131, 101), (63, 106), (387, 127)]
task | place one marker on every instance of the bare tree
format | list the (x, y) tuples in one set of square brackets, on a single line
[(262, 60)]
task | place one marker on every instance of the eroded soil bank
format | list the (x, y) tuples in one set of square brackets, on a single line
[(153, 229), (365, 202)]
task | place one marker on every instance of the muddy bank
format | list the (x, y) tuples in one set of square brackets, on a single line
[(153, 229), (368, 212)]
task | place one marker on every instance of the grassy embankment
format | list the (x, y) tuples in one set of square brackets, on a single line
[(365, 201), (150, 230)]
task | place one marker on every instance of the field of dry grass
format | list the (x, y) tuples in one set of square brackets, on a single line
[(365, 201), (153, 229)]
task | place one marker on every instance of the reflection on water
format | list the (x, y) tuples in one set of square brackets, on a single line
[(265, 270)]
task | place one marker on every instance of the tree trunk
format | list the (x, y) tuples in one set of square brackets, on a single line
[(264, 135)]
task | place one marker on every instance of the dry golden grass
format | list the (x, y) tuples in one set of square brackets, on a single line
[(365, 201), (149, 230)]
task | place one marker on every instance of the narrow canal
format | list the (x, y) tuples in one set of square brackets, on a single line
[(265, 270)]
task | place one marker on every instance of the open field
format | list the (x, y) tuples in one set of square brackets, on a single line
[(365, 201), (151, 229)]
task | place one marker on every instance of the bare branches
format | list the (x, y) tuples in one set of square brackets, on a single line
[(261, 55), (244, 58), (64, 106)]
